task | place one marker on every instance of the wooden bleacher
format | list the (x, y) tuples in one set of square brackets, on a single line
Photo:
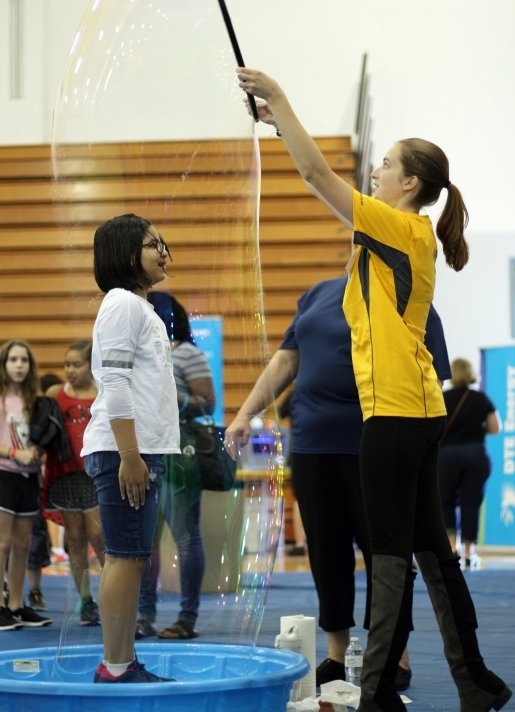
[(47, 291)]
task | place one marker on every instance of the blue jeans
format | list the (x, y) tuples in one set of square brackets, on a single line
[(128, 532), (180, 509)]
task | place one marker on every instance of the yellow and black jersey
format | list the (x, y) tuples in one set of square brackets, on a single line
[(386, 303)]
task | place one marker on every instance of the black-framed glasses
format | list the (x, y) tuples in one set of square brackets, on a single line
[(158, 245)]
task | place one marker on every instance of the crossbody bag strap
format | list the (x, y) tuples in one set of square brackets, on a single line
[(455, 412)]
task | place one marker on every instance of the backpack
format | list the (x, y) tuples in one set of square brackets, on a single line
[(47, 428)]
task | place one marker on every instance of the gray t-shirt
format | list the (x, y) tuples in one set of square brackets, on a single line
[(189, 363)]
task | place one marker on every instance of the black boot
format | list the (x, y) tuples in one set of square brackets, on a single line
[(390, 623), (479, 689)]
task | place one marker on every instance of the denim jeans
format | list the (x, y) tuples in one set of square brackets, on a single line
[(180, 510), (128, 532)]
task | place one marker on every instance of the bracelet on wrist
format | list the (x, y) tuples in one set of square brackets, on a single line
[(11, 453), (130, 449)]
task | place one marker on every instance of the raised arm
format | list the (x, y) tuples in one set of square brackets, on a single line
[(278, 374), (311, 164)]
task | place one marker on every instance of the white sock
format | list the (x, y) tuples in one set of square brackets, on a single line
[(117, 669)]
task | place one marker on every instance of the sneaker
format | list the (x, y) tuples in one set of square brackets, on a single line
[(7, 622), (36, 600), (27, 617), (135, 673), (144, 629), (402, 678), (89, 612), (329, 670)]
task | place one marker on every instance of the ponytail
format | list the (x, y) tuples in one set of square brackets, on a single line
[(450, 227), (429, 163)]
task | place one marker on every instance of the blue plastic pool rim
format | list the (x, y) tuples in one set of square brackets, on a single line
[(296, 667)]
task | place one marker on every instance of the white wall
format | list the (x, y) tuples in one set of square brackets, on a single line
[(441, 69), (474, 303)]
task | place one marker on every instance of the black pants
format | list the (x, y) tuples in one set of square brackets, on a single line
[(398, 464), (39, 549), (328, 491), (463, 471), (400, 489)]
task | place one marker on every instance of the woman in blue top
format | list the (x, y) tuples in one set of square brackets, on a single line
[(326, 434)]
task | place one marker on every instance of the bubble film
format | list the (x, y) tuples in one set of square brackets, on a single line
[(149, 123)]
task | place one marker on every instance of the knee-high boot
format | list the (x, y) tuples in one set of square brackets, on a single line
[(479, 689), (390, 623)]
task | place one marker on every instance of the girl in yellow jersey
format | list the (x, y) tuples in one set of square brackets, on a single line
[(391, 285)]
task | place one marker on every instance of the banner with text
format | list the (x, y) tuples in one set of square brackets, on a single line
[(207, 333), (498, 381)]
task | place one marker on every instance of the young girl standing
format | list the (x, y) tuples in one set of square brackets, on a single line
[(69, 489), (20, 468), (134, 423)]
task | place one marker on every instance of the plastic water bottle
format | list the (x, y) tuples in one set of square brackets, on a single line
[(353, 662)]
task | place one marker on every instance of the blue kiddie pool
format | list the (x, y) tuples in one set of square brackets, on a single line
[(210, 678)]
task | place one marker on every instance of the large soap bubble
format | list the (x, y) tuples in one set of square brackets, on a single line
[(149, 119)]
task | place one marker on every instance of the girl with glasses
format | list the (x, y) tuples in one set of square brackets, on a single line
[(134, 424)]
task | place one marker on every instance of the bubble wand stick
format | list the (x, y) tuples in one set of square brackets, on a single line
[(237, 53)]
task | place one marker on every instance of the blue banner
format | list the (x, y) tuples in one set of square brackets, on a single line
[(207, 333), (498, 381)]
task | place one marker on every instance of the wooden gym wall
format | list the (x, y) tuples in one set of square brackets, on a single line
[(301, 242)]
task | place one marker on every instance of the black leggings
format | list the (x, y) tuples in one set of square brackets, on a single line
[(398, 464), (328, 491)]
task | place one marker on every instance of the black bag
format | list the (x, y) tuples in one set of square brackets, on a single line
[(47, 428), (205, 442)]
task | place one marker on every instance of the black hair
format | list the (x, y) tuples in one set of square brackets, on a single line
[(49, 379), (174, 316), (117, 253)]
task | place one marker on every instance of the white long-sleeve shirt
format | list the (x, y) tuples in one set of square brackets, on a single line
[(131, 364)]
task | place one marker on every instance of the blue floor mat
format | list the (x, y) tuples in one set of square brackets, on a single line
[(293, 593)]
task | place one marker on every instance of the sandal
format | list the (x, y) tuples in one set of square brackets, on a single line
[(181, 630)]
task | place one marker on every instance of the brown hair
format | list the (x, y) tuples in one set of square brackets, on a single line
[(430, 165), (84, 346), (30, 386), (462, 372)]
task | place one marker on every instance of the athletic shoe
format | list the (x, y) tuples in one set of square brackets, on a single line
[(144, 629), (89, 612), (27, 617), (7, 622), (329, 670), (36, 600), (135, 673), (59, 558), (402, 678)]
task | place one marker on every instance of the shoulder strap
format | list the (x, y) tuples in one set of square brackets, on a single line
[(455, 412)]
